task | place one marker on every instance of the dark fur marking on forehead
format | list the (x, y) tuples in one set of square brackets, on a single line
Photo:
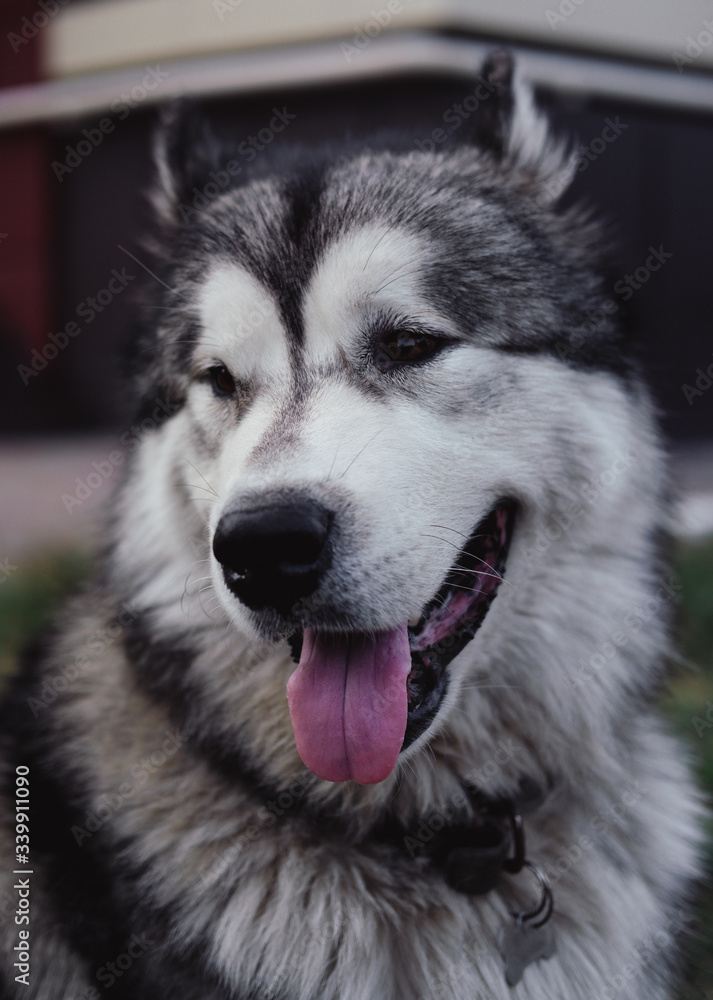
[(499, 269), (283, 432), (201, 442), (286, 266)]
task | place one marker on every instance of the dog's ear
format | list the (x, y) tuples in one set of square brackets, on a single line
[(184, 152), (493, 124), (511, 128)]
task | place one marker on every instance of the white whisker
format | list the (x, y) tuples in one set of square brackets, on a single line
[(203, 478), (380, 431)]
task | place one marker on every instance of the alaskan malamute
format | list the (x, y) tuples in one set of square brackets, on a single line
[(360, 704)]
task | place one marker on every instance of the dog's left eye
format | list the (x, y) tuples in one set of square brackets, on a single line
[(222, 381), (404, 346)]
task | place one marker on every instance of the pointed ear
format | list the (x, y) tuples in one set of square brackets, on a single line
[(494, 121), (512, 129), (184, 151)]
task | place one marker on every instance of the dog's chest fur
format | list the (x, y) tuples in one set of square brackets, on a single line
[(250, 884)]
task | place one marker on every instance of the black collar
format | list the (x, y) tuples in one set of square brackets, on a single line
[(472, 853)]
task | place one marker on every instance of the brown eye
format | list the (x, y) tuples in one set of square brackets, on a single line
[(405, 346), (222, 381)]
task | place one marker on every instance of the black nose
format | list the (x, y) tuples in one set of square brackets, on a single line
[(274, 554)]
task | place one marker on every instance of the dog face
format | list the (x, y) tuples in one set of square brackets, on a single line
[(374, 359)]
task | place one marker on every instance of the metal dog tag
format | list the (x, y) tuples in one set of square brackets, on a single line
[(524, 943), (531, 937)]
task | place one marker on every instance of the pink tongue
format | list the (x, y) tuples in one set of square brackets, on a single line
[(348, 702)]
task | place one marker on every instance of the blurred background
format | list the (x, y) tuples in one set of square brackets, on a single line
[(80, 83)]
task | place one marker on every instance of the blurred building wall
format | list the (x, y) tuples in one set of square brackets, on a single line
[(80, 81)]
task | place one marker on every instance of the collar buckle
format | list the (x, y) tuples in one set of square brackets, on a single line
[(474, 868)]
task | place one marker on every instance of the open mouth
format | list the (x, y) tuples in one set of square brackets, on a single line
[(455, 614), (356, 701)]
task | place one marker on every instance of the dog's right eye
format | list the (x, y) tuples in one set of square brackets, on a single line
[(222, 381), (402, 347)]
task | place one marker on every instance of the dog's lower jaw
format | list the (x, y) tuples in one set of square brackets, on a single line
[(356, 701)]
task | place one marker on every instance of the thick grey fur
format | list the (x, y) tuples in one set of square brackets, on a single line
[(169, 801)]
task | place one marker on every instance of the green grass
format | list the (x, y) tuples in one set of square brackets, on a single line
[(31, 594), (691, 692), (29, 597)]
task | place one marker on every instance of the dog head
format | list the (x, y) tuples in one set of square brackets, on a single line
[(394, 372)]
